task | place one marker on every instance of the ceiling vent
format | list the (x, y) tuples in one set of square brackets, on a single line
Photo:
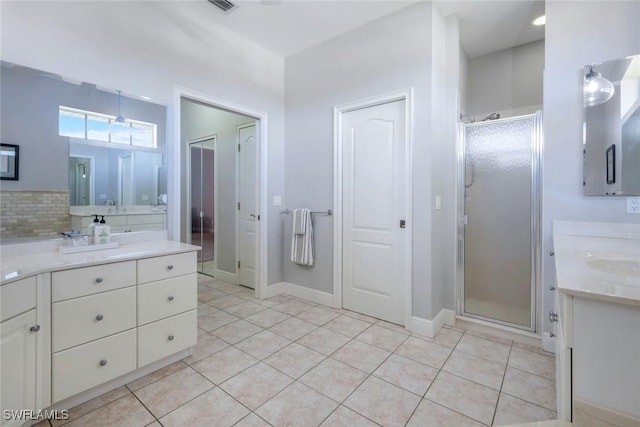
[(223, 5)]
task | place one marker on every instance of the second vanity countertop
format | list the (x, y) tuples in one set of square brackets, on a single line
[(598, 260), (26, 260)]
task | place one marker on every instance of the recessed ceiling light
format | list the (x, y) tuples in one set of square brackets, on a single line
[(146, 98), (541, 20)]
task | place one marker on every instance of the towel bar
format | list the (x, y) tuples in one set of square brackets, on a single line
[(327, 212)]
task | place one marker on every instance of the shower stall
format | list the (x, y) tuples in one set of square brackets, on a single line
[(499, 220)]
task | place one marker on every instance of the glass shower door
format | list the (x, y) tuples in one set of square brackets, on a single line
[(500, 221)]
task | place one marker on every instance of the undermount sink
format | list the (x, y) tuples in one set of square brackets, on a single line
[(616, 264)]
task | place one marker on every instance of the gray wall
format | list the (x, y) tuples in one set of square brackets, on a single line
[(29, 117), (199, 120), (506, 80), (386, 55), (578, 33)]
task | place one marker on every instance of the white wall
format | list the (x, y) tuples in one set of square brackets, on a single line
[(577, 33), (147, 48), (507, 81)]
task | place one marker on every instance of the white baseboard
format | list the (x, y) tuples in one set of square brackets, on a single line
[(226, 276), (298, 291), (429, 328)]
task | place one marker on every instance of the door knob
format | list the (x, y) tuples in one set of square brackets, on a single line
[(35, 328)]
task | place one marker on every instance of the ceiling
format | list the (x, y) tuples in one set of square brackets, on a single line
[(286, 27)]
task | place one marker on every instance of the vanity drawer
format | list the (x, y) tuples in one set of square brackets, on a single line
[(164, 298), (141, 219), (90, 280), (88, 365), (165, 337), (85, 319), (17, 297), (165, 267)]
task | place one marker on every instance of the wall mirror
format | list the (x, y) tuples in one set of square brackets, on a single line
[(612, 128), (106, 148)]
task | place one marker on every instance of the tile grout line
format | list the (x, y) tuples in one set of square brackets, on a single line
[(504, 377)]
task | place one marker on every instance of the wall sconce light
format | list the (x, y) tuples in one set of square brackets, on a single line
[(597, 89)]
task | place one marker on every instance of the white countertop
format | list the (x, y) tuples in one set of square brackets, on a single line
[(24, 260), (598, 260)]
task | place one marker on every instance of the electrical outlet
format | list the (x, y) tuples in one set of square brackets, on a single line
[(633, 205)]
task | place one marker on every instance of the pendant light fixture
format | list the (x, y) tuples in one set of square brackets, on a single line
[(120, 118), (597, 89)]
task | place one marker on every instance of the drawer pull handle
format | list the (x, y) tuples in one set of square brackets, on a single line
[(170, 267), (170, 337), (170, 298), (103, 362), (99, 279), (35, 328), (99, 317)]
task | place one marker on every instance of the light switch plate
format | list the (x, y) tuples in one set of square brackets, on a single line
[(277, 200), (438, 203)]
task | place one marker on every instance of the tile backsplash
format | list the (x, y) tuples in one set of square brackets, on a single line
[(33, 213)]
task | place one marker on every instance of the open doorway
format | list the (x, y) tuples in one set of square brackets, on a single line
[(220, 199)]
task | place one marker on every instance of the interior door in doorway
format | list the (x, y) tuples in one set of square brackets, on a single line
[(248, 206), (373, 200)]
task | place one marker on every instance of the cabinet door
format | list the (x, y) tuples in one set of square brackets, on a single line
[(18, 364)]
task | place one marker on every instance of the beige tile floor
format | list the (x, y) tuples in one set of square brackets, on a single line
[(288, 362)]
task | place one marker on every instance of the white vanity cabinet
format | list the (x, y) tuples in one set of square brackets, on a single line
[(110, 319), (598, 323), (75, 326), (167, 303), (89, 307), (18, 348)]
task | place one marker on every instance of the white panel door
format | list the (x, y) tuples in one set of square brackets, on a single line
[(373, 245), (247, 177)]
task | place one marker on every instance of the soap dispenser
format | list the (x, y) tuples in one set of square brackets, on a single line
[(102, 232), (92, 230)]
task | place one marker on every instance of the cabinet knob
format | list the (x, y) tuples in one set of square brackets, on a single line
[(99, 279), (103, 362), (170, 298), (170, 267), (35, 328), (170, 337), (99, 317), (552, 288)]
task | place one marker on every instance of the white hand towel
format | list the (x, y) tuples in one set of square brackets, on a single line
[(302, 243), (299, 221)]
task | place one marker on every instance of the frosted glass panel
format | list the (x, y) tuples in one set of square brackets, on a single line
[(497, 239)]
